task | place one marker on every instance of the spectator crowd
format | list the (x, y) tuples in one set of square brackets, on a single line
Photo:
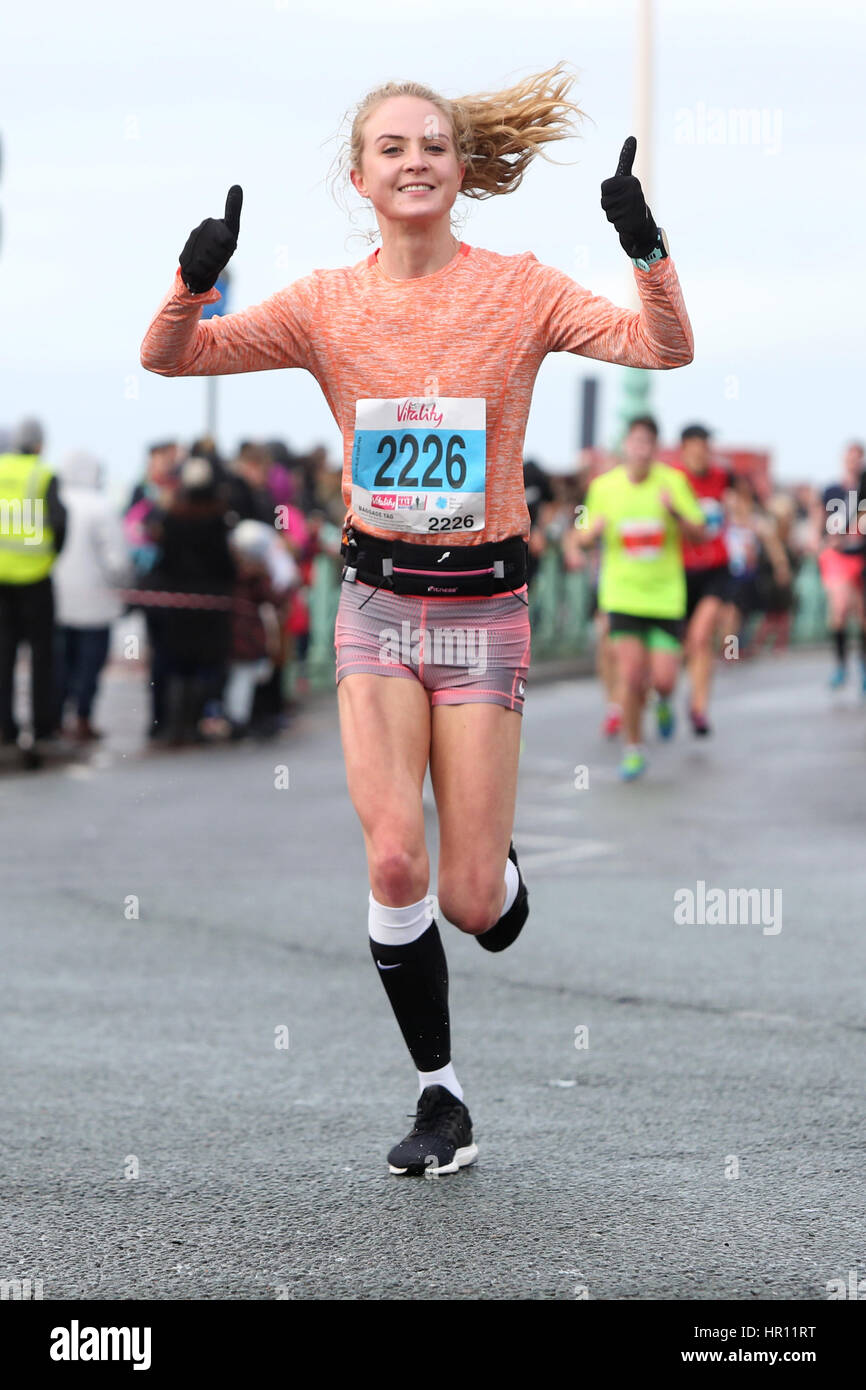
[(218, 556)]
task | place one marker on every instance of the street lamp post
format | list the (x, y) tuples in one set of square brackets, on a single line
[(210, 426), (635, 397)]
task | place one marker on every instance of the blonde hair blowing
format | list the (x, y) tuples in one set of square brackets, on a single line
[(497, 133)]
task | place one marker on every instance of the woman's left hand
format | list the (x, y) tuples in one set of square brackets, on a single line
[(625, 206)]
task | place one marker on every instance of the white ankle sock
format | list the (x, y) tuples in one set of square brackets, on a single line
[(398, 926), (512, 883), (445, 1076)]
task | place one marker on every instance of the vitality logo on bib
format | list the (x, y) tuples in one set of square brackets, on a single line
[(390, 501), (426, 412)]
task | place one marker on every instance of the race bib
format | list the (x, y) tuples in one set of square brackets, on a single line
[(714, 515), (419, 464), (642, 539)]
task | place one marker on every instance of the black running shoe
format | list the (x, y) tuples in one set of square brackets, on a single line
[(506, 931), (441, 1138), (700, 723)]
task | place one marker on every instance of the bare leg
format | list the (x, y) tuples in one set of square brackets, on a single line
[(700, 650), (385, 728), (633, 661), (473, 767)]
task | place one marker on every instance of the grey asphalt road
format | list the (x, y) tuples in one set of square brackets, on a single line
[(706, 1143)]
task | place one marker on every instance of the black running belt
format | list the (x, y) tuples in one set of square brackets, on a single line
[(456, 571)]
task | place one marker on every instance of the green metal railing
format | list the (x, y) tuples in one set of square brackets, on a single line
[(558, 611), (323, 599), (810, 613)]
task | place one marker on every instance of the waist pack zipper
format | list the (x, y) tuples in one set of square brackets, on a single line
[(398, 569)]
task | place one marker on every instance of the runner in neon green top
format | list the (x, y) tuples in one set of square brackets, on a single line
[(641, 512)]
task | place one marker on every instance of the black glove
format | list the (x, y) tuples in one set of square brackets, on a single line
[(211, 246), (623, 202)]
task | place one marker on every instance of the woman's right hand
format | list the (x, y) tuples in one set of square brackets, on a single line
[(210, 247)]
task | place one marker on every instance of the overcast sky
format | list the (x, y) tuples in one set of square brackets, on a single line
[(124, 125)]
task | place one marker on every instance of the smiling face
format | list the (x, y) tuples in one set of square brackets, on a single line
[(639, 446), (409, 167)]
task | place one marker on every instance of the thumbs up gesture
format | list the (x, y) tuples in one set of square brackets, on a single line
[(624, 205), (210, 247)]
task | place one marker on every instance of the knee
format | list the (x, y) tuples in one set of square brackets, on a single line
[(470, 907), (398, 875)]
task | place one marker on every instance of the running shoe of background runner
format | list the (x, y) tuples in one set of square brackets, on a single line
[(612, 721), (838, 678), (506, 931), (440, 1140), (700, 723), (633, 764), (665, 719)]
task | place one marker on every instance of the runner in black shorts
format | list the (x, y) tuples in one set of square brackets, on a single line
[(707, 573), (642, 511), (712, 583)]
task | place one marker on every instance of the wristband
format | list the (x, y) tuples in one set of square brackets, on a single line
[(658, 253)]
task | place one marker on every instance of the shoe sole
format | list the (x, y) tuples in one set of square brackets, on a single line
[(461, 1159)]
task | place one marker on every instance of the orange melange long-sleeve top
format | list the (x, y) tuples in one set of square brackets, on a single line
[(479, 327)]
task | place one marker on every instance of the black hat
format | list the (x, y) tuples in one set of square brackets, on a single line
[(695, 432)]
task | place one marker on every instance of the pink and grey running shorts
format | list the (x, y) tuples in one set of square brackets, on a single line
[(463, 651)]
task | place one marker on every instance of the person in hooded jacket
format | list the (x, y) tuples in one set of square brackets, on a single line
[(94, 565)]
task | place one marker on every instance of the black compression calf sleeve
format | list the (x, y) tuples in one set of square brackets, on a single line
[(415, 977), (839, 641)]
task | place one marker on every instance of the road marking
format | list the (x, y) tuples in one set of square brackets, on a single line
[(574, 853), (561, 815), (765, 1018)]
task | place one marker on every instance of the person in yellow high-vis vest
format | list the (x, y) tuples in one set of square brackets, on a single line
[(32, 531)]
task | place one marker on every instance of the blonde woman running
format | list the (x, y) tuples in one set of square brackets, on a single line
[(427, 351)]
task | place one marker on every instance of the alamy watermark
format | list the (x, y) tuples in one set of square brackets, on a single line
[(846, 516), (853, 1288), (20, 1290), (733, 907), (77, 1343), (438, 646), (21, 519), (733, 125)]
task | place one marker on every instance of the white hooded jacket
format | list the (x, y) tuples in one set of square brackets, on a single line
[(94, 561)]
